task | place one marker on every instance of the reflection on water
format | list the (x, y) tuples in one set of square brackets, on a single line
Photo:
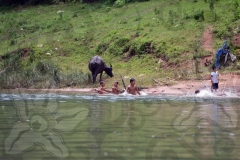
[(53, 126)]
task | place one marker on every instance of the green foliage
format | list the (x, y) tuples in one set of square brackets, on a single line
[(136, 33), (199, 15), (119, 3), (74, 77), (222, 31), (44, 67), (119, 46), (156, 11), (38, 75), (236, 10), (102, 47), (140, 47), (238, 65)]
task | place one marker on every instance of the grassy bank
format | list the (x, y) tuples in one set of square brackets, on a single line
[(147, 40)]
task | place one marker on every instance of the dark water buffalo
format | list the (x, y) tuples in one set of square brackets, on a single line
[(97, 65)]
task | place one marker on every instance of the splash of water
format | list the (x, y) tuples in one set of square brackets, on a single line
[(205, 93), (230, 92), (125, 93)]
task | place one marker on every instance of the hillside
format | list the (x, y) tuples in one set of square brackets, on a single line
[(150, 41)]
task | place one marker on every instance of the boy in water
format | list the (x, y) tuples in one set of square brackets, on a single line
[(132, 89), (115, 88), (102, 90), (214, 79)]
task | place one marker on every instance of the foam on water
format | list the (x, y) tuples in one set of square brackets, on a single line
[(230, 92), (205, 93), (125, 93)]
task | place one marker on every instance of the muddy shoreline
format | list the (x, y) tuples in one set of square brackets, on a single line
[(227, 82)]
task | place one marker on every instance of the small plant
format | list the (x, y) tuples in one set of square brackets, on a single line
[(60, 12), (199, 15), (102, 47), (123, 21), (156, 11), (119, 3)]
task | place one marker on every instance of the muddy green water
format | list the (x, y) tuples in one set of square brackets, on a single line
[(57, 126)]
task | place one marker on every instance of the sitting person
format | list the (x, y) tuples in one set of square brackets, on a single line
[(115, 88), (102, 89), (132, 89)]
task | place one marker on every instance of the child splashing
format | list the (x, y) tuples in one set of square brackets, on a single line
[(132, 88)]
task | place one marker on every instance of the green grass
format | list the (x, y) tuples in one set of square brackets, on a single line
[(146, 31)]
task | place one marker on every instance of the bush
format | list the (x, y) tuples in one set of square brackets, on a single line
[(119, 46), (44, 67), (199, 15), (119, 3), (102, 47), (141, 46), (238, 65), (222, 31)]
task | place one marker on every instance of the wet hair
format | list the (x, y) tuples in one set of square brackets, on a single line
[(132, 79), (197, 91), (214, 67), (101, 82)]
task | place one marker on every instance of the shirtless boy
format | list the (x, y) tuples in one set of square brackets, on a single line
[(102, 90), (132, 89), (115, 88)]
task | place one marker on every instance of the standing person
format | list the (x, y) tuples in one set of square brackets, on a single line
[(102, 89), (214, 79), (115, 88), (132, 89)]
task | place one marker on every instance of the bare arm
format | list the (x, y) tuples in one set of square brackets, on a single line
[(128, 89), (138, 91), (106, 90)]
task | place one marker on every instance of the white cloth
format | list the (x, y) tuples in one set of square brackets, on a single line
[(214, 76)]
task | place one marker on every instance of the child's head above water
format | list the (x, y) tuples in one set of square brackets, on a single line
[(132, 81), (197, 91), (102, 83), (115, 83)]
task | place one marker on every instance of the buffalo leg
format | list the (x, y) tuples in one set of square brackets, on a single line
[(100, 76), (94, 77)]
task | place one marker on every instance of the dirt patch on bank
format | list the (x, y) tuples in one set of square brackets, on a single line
[(207, 44), (236, 40), (207, 39), (226, 82)]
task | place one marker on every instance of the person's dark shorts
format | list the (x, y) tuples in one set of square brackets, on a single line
[(215, 86)]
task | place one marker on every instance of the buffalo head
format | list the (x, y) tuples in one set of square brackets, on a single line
[(108, 70)]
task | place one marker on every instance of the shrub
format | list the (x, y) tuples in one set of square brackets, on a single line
[(102, 47), (44, 67), (119, 46), (141, 46), (199, 15), (222, 31), (119, 3)]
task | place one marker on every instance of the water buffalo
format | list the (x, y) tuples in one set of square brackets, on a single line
[(97, 65)]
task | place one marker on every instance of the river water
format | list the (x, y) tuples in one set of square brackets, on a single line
[(48, 126)]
